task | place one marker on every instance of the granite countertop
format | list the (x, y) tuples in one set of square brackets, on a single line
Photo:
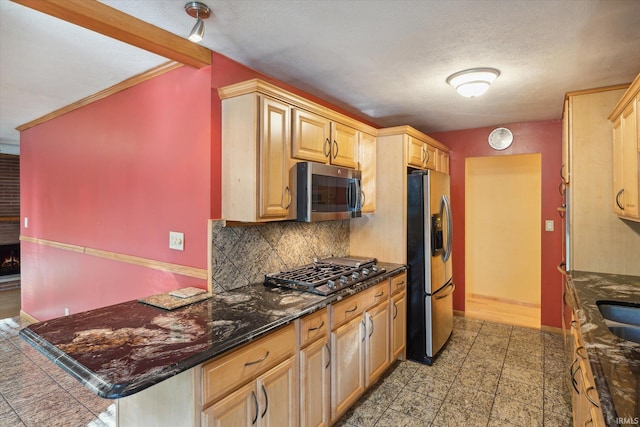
[(121, 349), (615, 362)]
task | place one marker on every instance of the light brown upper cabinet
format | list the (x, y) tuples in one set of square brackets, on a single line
[(422, 153), (267, 129), (626, 155)]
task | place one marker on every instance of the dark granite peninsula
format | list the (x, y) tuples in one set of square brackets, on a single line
[(119, 350), (615, 362)]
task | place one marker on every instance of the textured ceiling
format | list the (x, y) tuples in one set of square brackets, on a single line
[(385, 60)]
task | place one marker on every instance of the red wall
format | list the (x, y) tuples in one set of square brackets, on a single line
[(534, 137), (117, 175)]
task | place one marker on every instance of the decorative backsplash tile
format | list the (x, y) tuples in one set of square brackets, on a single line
[(243, 255)]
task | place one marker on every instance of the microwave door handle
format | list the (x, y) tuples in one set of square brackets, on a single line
[(358, 195)]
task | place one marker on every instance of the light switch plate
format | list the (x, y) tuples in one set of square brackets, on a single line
[(549, 225), (176, 240)]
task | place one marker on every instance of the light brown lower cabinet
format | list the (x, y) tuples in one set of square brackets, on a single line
[(270, 400), (376, 341), (398, 325)]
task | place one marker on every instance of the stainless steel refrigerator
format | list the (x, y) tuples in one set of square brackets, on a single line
[(430, 285)]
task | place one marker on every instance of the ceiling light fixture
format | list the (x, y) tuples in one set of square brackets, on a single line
[(200, 11), (473, 82)]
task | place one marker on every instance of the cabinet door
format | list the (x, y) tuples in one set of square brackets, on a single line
[(442, 164), (377, 341), (630, 161), (275, 195), (416, 152), (239, 408), (344, 146), (310, 137), (367, 166), (347, 369), (314, 384), (431, 157), (277, 396), (398, 325)]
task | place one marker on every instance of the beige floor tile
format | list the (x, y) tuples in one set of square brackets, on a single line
[(516, 413), (363, 414), (472, 399), (522, 392), (416, 405), (391, 418), (453, 415)]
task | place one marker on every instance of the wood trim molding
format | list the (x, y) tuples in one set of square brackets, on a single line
[(197, 273), (628, 96), (595, 90), (415, 133), (9, 218), (105, 20), (29, 318), (505, 300), (118, 87), (551, 329), (297, 101)]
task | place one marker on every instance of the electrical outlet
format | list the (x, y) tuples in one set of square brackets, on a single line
[(176, 240), (549, 225), (66, 311), (26, 222)]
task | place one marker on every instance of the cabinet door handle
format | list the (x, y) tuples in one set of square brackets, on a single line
[(255, 402), (335, 144), (618, 199), (355, 307), (328, 354), (317, 327), (363, 198), (427, 156), (586, 393), (266, 402), (255, 362), (371, 321), (561, 268), (574, 383), (401, 283), (287, 193), (379, 295), (395, 310), (326, 148), (578, 352)]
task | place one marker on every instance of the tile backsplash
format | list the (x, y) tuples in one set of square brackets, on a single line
[(243, 255)]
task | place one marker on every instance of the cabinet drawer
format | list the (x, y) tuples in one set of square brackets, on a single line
[(347, 309), (398, 283), (313, 326), (228, 372), (375, 294)]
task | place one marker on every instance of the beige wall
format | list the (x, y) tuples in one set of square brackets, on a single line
[(502, 222)]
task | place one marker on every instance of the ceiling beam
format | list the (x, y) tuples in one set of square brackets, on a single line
[(113, 23)]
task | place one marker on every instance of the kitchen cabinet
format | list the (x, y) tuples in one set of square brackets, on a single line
[(315, 364), (384, 235), (268, 401), (318, 139), (253, 385), (398, 308), (359, 345), (626, 154), (442, 163), (255, 165), (367, 166), (420, 154)]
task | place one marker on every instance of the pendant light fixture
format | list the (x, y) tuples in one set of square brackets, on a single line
[(199, 11), (473, 82)]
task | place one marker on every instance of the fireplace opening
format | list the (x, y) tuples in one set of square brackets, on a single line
[(9, 259)]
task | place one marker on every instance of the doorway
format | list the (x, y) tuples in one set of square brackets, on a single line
[(502, 238)]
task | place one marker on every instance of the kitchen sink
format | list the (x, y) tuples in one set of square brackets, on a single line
[(622, 318)]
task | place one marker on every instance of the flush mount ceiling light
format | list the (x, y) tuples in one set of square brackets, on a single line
[(199, 11), (473, 82)]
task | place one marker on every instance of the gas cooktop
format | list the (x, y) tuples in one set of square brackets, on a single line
[(326, 276)]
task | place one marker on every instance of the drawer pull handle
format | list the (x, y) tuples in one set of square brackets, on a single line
[(589, 398), (266, 402), (578, 352), (379, 295), (317, 327), (255, 402), (255, 362), (328, 354), (355, 307), (400, 283)]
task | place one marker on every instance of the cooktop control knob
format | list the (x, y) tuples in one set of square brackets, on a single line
[(331, 284), (355, 275), (343, 279), (374, 268), (365, 271)]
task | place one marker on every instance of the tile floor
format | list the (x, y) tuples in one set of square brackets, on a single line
[(36, 392), (489, 374)]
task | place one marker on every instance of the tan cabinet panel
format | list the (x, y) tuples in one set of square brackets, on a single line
[(431, 159), (367, 166), (416, 152), (344, 146), (347, 369), (398, 325), (310, 139), (377, 341), (277, 396), (314, 326), (238, 409), (315, 370)]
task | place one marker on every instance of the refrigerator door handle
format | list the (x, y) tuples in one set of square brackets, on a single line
[(453, 288), (445, 210)]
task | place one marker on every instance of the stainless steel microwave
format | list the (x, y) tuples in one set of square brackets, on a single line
[(324, 192)]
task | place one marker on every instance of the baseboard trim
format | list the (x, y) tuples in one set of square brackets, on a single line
[(551, 329), (505, 300), (26, 316)]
